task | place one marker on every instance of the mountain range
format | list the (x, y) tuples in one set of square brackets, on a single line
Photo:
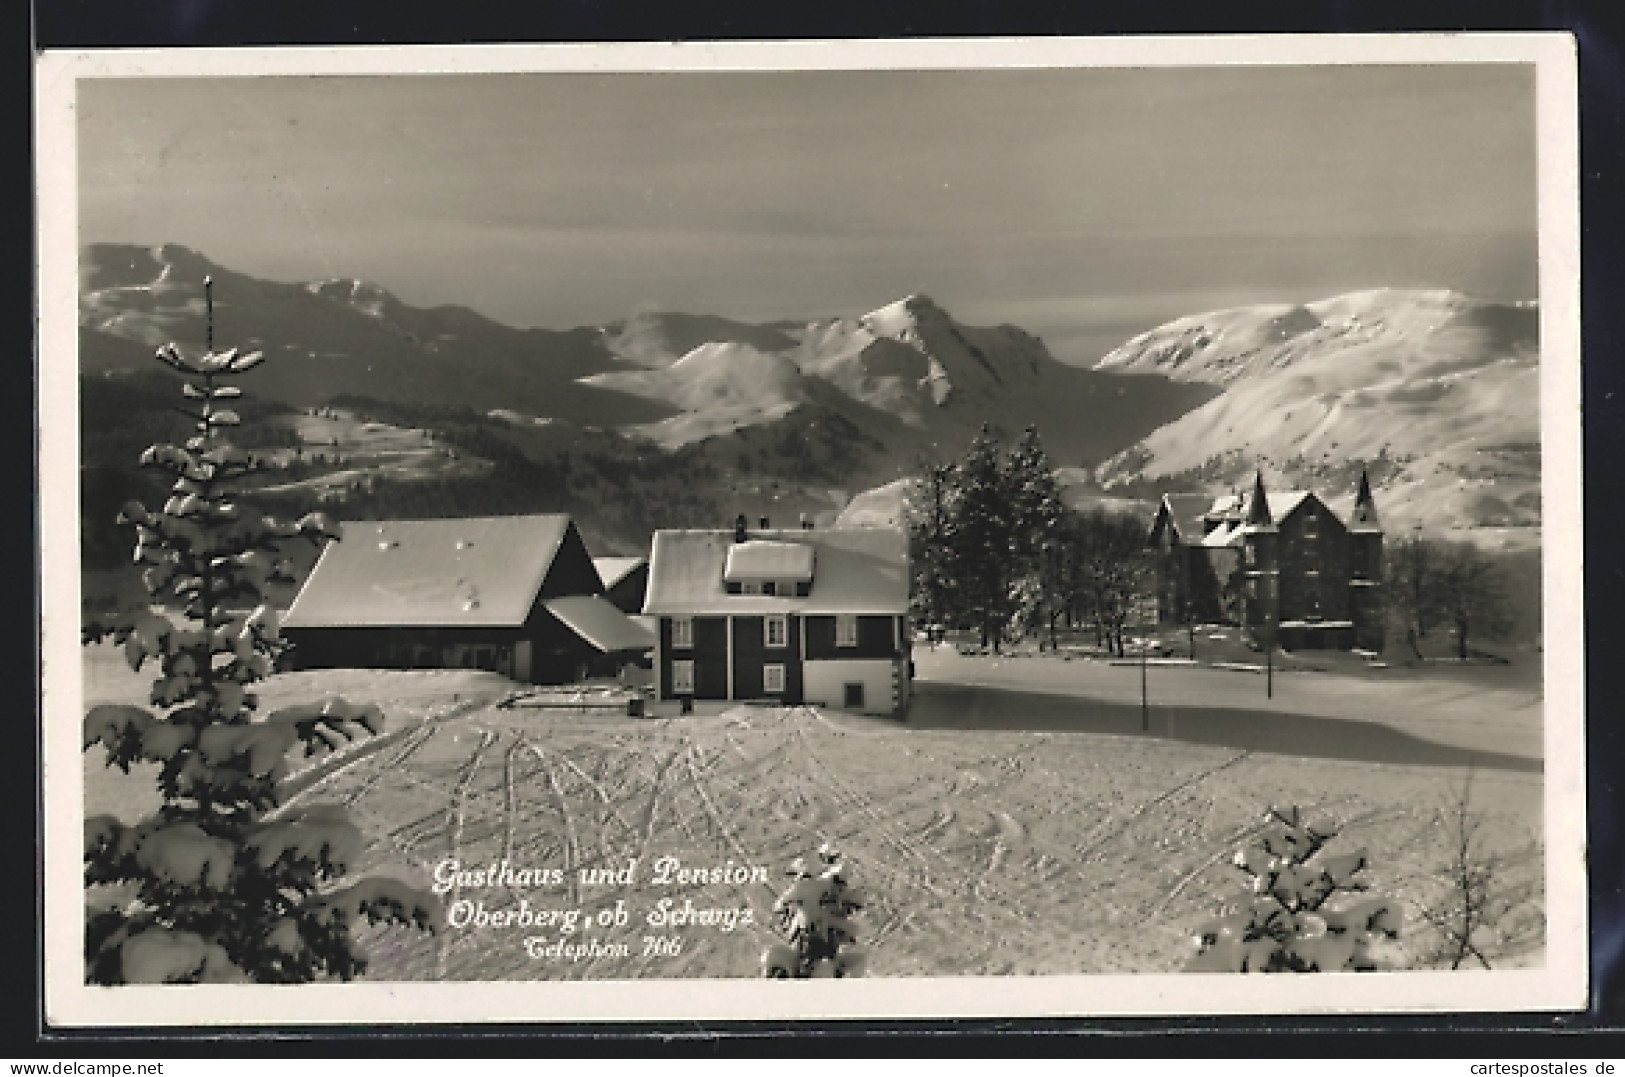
[(908, 371), (1433, 393)]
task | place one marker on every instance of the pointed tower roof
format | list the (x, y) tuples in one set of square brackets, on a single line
[(1258, 506), (1364, 516)]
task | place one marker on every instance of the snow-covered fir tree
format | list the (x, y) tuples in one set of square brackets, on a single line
[(1299, 912), (224, 882), (814, 914)]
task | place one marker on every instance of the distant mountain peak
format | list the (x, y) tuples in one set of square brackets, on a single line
[(364, 296)]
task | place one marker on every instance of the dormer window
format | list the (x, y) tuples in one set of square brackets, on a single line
[(766, 567), (682, 631)]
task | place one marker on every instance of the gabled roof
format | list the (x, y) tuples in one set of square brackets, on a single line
[(481, 571), (1187, 511), (1233, 515), (1284, 502), (612, 570), (600, 623), (859, 570)]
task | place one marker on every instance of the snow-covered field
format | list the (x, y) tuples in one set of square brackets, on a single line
[(996, 831)]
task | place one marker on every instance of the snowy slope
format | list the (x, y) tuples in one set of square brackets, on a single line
[(1436, 391), (718, 387)]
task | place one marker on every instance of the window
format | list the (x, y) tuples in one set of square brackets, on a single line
[(682, 677), (751, 587), (854, 696), (846, 630), (773, 678), (682, 631), (1311, 526), (1250, 554), (777, 634), (769, 587)]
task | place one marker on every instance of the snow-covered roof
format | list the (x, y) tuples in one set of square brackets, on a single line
[(600, 624), (1192, 515), (1283, 502), (612, 570), (1187, 511), (762, 559), (483, 571), (859, 570)]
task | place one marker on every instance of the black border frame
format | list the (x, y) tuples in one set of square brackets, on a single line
[(1599, 29)]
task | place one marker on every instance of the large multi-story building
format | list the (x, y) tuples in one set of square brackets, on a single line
[(1282, 565)]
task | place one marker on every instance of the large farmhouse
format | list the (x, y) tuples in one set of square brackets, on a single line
[(518, 595), (795, 616), (1283, 565)]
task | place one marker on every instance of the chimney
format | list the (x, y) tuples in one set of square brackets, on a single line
[(764, 524), (739, 528)]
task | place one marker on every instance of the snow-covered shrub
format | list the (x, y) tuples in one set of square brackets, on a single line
[(1298, 915), (222, 883), (814, 915)]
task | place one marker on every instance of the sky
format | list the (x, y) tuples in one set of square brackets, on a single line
[(1083, 204)]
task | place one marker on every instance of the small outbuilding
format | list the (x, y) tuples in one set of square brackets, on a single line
[(518, 595)]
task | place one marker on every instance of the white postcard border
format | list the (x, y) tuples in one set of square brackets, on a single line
[(1561, 985)]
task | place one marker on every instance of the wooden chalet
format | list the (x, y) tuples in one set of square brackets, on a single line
[(518, 595)]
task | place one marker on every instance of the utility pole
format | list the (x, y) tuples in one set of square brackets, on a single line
[(1190, 627), (1145, 705), (1269, 668), (1416, 580)]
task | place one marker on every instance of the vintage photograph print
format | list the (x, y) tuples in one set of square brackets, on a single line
[(983, 528)]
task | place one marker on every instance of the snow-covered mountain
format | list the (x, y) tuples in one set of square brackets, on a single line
[(909, 359), (907, 373), (1437, 393)]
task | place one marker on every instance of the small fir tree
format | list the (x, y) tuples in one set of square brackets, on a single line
[(1298, 916), (223, 883), (814, 914)]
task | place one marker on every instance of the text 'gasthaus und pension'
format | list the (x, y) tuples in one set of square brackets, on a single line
[(573, 920), (452, 875)]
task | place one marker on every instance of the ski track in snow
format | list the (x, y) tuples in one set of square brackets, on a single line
[(975, 851)]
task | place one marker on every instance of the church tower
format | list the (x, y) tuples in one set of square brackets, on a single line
[(1261, 570), (1367, 604)]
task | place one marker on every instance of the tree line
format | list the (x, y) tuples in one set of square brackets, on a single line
[(1454, 586), (994, 549)]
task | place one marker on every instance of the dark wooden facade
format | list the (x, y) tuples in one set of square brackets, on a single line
[(719, 667)]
